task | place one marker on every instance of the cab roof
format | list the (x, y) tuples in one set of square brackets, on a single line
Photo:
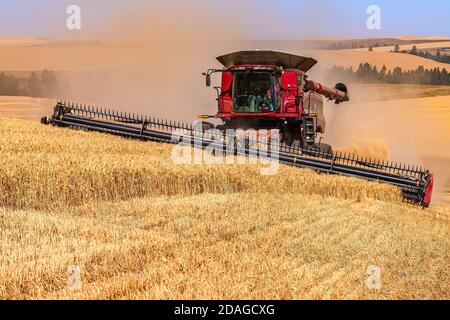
[(260, 57)]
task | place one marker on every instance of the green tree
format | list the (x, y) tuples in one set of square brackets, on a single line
[(50, 86), (435, 76), (375, 75), (9, 85), (389, 77), (34, 85), (397, 75), (382, 75)]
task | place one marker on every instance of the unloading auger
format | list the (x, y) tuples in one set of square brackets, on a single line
[(415, 182)]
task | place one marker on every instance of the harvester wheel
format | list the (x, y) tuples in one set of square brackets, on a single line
[(44, 120), (287, 137)]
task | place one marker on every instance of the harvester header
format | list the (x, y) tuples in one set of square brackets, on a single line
[(260, 90)]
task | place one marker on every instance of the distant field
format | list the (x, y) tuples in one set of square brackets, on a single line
[(21, 42), (140, 227), (29, 54), (101, 58), (441, 51), (382, 56), (385, 91), (419, 46), (352, 58), (72, 58), (25, 108), (433, 38)]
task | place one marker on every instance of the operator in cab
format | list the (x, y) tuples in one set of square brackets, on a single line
[(267, 102)]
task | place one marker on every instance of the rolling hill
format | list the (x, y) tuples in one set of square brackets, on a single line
[(25, 55)]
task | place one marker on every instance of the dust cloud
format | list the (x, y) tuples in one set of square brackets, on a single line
[(397, 130), (152, 60), (157, 59)]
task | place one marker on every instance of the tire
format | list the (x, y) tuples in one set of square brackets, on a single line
[(288, 139), (44, 120), (288, 136)]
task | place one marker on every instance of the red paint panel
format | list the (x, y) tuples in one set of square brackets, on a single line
[(227, 82), (225, 104), (290, 91), (225, 100), (428, 192)]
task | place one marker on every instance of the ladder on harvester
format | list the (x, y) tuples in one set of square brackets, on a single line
[(310, 134)]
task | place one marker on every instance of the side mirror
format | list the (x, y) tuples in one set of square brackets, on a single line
[(207, 79)]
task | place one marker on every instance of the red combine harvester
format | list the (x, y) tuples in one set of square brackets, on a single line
[(270, 90), (260, 90)]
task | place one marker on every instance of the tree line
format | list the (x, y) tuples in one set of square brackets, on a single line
[(439, 57), (369, 73), (43, 84)]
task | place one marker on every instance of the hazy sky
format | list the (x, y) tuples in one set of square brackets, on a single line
[(261, 19)]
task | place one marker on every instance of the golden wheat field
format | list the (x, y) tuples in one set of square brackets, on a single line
[(352, 58), (419, 46), (139, 226)]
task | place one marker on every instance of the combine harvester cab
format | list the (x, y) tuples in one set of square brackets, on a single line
[(270, 90), (260, 90)]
